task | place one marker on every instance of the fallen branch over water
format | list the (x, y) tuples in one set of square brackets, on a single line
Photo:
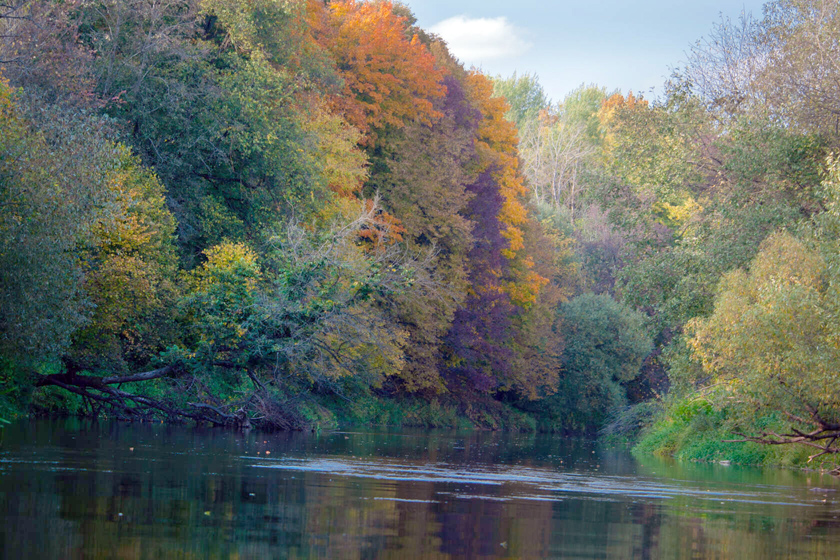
[(123, 404), (824, 436)]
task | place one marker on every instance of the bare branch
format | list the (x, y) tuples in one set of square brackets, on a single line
[(211, 408), (145, 376)]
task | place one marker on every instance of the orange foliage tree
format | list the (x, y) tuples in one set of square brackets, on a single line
[(389, 75), (496, 145)]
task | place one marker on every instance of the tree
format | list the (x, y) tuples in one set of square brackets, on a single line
[(801, 77), (257, 332), (724, 67), (483, 345), (605, 344), (496, 147), (537, 337), (86, 255), (771, 343), (40, 51), (129, 266), (220, 100), (479, 341), (308, 311), (421, 173), (555, 150), (54, 192), (389, 76), (658, 153), (220, 302), (321, 318), (780, 67), (524, 95)]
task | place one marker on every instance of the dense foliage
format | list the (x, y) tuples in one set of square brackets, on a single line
[(244, 210), (711, 210), (250, 211)]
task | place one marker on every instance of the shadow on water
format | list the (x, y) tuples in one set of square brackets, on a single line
[(82, 489)]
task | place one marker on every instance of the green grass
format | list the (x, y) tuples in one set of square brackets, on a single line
[(693, 430), (357, 405)]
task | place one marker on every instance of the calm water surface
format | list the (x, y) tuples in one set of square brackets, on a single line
[(73, 489)]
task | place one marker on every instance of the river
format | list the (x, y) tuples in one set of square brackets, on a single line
[(83, 489)]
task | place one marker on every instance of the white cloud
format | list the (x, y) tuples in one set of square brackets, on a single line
[(480, 39)]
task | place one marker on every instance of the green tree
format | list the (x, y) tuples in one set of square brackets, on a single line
[(221, 101), (220, 301), (525, 96), (771, 342), (54, 191), (605, 344), (307, 313), (86, 256)]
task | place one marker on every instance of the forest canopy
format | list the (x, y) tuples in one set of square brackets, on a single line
[(232, 207)]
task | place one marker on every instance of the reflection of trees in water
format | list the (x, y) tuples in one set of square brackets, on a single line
[(649, 518), (191, 494), (473, 528)]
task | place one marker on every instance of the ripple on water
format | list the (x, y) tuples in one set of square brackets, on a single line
[(525, 483)]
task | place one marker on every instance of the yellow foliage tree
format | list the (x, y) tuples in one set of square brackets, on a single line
[(772, 342), (129, 267)]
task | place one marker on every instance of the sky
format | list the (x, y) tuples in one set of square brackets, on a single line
[(619, 44)]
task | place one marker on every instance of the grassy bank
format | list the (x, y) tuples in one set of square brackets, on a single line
[(692, 429), (444, 411)]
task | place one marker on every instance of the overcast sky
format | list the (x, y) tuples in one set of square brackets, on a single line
[(620, 44)]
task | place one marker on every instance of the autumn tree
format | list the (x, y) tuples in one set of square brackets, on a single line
[(88, 262), (129, 266), (305, 314), (390, 78), (496, 146), (538, 340), (479, 339), (421, 173), (770, 345), (658, 152)]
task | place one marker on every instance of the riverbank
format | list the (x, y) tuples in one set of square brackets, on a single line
[(690, 430), (346, 405), (695, 431)]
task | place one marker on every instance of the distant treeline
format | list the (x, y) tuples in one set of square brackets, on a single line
[(714, 211)]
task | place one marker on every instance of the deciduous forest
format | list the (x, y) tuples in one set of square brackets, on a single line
[(289, 214)]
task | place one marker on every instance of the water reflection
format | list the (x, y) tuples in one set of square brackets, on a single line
[(107, 490)]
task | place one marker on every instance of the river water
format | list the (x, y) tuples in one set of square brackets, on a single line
[(80, 489)]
